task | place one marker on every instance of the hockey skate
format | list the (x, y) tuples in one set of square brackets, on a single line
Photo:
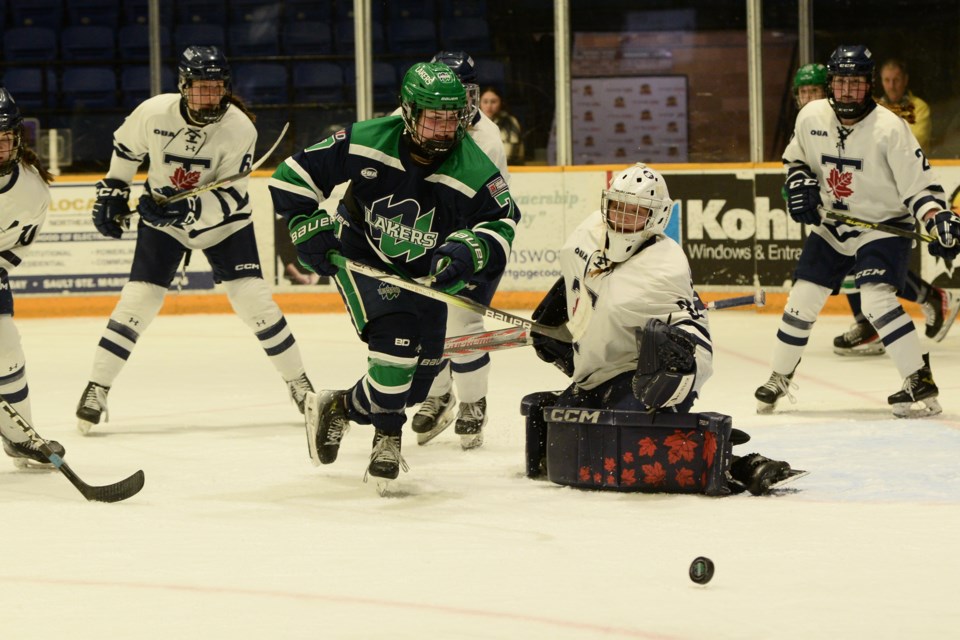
[(93, 404), (939, 311), (298, 388), (772, 390), (26, 456), (861, 339), (758, 474), (385, 460), (918, 398), (434, 415), (470, 422), (325, 416)]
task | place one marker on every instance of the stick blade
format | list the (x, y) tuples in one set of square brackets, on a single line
[(117, 491)]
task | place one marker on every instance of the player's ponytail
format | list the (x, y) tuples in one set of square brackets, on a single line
[(30, 157), (238, 102)]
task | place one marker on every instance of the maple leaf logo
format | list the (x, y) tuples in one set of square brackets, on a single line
[(584, 474), (628, 456), (709, 448), (681, 446), (647, 447), (597, 478), (654, 474), (609, 464), (684, 477), (839, 183), (628, 477), (184, 180)]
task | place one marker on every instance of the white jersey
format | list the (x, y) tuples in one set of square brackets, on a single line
[(605, 308), (873, 170), (487, 136), (24, 200), (184, 156)]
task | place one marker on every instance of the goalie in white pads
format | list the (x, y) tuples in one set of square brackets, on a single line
[(865, 162), (641, 338), (24, 200), (197, 136)]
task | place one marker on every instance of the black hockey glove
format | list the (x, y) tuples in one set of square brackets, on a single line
[(456, 260), (666, 367), (947, 227), (803, 198), (111, 211), (179, 213), (314, 236), (552, 311)]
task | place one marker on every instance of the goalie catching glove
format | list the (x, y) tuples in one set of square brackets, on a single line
[(667, 365)]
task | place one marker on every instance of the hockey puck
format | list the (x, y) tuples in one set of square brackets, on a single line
[(701, 570)]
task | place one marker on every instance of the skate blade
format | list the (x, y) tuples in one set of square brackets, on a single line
[(859, 353), (793, 474), (311, 421), (84, 426), (424, 438), (27, 464), (764, 408), (920, 409), (471, 440), (953, 309)]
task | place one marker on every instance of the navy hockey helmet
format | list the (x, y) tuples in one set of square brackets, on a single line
[(851, 61), (204, 63), (10, 122), (462, 65)]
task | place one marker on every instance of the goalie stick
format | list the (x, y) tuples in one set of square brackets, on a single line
[(500, 339), (879, 226), (107, 493), (229, 179), (558, 333)]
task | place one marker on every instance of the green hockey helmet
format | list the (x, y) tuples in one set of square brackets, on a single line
[(433, 86), (809, 75)]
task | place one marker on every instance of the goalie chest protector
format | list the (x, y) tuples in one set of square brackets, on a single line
[(636, 451)]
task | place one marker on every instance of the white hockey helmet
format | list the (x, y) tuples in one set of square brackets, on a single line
[(635, 207)]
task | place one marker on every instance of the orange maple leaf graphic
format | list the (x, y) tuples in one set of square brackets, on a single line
[(584, 474), (611, 480), (647, 447), (681, 446), (628, 477), (597, 478), (628, 456), (839, 183), (709, 447), (610, 464), (684, 477), (654, 474), (184, 179)]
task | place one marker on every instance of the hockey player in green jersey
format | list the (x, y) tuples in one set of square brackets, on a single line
[(424, 201)]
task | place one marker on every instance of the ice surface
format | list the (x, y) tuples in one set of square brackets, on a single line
[(236, 535)]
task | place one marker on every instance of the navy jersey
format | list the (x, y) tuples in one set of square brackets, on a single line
[(397, 211)]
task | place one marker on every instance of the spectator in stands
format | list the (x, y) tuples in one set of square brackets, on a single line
[(897, 98), (491, 103)]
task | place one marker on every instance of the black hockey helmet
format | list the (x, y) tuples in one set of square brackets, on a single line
[(851, 61), (204, 63), (12, 121), (462, 65)]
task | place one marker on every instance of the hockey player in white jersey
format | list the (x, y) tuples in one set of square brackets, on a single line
[(469, 372), (641, 337), (852, 157), (24, 200), (197, 136)]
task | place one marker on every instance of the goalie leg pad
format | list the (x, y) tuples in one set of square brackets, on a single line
[(531, 408)]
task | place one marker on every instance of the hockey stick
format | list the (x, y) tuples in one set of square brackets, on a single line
[(500, 339), (558, 333), (107, 493), (229, 179), (879, 226)]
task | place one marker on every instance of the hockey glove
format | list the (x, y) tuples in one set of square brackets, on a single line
[(179, 213), (666, 367), (803, 198), (552, 311), (947, 227), (111, 211), (456, 260), (314, 236)]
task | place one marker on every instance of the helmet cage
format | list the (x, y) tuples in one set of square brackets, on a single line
[(848, 62), (433, 87), (16, 148), (635, 208), (204, 63)]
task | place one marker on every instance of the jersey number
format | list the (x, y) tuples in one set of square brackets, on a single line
[(27, 235)]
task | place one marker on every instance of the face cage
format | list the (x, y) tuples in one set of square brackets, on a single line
[(616, 202), (207, 115), (16, 151), (850, 110), (473, 100), (433, 148)]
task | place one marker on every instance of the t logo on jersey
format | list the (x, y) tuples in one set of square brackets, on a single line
[(397, 238)]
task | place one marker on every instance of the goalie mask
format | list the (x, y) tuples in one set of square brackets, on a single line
[(462, 65), (850, 82), (204, 84), (635, 208), (11, 133), (434, 107)]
